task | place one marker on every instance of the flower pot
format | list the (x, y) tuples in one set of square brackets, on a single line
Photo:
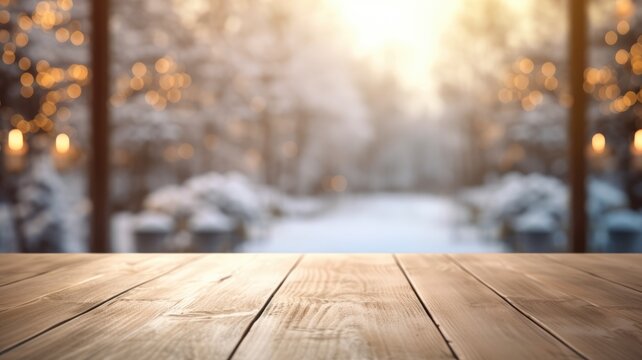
[(623, 240), (534, 241), (211, 241)]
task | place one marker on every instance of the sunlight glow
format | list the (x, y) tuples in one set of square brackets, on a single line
[(401, 36)]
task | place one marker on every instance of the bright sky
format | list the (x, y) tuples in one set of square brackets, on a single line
[(402, 36)]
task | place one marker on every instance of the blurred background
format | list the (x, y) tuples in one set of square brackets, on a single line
[(320, 125)]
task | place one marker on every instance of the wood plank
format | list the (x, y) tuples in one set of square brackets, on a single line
[(344, 307), (17, 267), (593, 331), (201, 310), (624, 269), (17, 294), (595, 290), (34, 305), (476, 321)]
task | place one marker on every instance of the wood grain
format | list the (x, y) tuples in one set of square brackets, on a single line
[(477, 323), (595, 290), (28, 290), (624, 269), (593, 331), (34, 305), (201, 310), (17, 267), (246, 306), (344, 307)]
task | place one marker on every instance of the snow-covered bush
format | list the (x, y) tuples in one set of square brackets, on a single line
[(604, 197), (534, 221), (153, 222), (211, 222), (233, 194), (521, 200), (173, 200), (624, 220)]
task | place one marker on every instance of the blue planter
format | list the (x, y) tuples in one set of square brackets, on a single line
[(535, 241), (623, 241)]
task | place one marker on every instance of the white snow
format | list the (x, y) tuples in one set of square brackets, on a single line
[(154, 221), (211, 221), (377, 223), (624, 219), (535, 220)]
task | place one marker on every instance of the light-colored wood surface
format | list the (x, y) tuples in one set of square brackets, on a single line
[(478, 323), (34, 305), (213, 298), (624, 271), (344, 307), (593, 331), (17, 267), (384, 306)]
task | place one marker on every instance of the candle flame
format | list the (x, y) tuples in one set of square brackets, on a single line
[(637, 142), (62, 143), (15, 140), (598, 142)]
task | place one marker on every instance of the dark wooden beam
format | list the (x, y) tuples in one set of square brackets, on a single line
[(577, 125), (99, 164)]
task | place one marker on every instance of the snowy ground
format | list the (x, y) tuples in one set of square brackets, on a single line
[(377, 223)]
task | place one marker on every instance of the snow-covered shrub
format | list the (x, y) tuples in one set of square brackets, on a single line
[(153, 222), (173, 200), (624, 220), (211, 222), (233, 194), (534, 221), (521, 200), (604, 197), (41, 206)]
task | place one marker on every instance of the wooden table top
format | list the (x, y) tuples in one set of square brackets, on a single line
[(290, 306)]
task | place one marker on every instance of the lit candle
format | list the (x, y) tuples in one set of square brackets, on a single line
[(62, 143), (15, 150), (636, 150), (599, 152), (62, 151)]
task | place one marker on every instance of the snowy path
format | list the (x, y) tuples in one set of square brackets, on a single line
[(377, 223)]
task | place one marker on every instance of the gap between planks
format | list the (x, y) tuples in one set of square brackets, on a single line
[(423, 304), (265, 305), (512, 305), (573, 265), (100, 343)]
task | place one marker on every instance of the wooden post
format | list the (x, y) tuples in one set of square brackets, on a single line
[(577, 125), (99, 164)]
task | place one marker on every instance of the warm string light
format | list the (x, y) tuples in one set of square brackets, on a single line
[(160, 83), (529, 82), (54, 85)]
